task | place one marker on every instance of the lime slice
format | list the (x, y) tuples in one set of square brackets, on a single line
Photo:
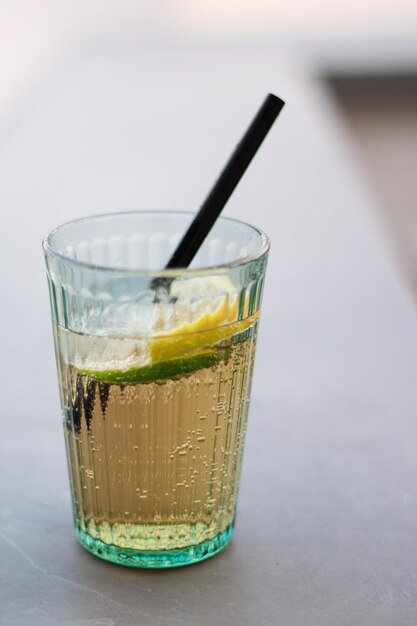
[(161, 370)]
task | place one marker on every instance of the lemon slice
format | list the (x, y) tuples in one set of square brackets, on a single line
[(195, 336), (212, 324)]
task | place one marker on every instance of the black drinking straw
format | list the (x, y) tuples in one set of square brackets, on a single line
[(226, 183)]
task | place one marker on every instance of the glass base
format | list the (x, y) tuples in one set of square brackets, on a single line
[(154, 558)]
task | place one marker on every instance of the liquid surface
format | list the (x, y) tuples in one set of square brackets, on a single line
[(155, 464)]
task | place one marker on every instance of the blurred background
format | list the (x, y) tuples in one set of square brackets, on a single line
[(365, 53), (112, 105), (108, 106)]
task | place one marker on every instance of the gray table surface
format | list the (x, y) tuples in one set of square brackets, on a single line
[(327, 517)]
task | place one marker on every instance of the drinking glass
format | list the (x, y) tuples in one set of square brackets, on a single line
[(155, 369)]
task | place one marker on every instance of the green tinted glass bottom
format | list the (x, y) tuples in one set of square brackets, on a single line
[(154, 558)]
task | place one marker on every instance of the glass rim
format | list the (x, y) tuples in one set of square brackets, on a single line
[(163, 272)]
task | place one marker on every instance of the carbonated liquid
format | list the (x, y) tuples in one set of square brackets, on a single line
[(155, 465)]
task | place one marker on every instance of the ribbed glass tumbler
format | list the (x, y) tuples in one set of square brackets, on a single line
[(155, 369)]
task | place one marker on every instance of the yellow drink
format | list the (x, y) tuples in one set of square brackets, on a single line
[(155, 461)]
